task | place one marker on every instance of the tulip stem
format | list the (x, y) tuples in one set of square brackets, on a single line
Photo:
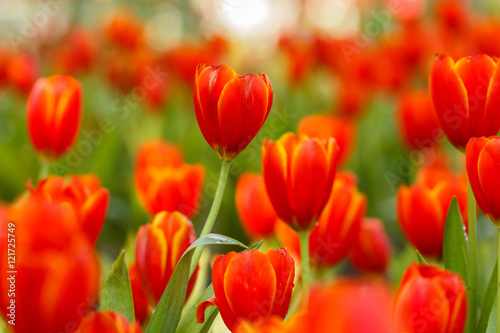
[(471, 209), (214, 210), (44, 170), (306, 269), (498, 289)]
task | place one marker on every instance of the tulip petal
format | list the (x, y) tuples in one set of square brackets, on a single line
[(200, 309), (93, 214), (488, 169), (40, 104), (284, 269), (473, 150), (491, 115), (219, 269)]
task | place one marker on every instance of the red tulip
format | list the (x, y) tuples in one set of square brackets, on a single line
[(300, 56), (326, 127), (430, 299), (466, 97), (250, 285), (254, 208), (159, 246), (230, 109), (297, 323), (107, 321), (124, 29), (372, 251), (22, 71), (299, 174), (141, 305), (422, 208), (483, 160), (54, 113), (75, 52), (163, 182)]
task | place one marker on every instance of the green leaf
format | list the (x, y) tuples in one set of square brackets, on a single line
[(116, 294), (168, 311), (421, 259), (455, 249), (488, 301)]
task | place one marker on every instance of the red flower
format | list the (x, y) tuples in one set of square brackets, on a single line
[(299, 174), (422, 208), (230, 109), (483, 160), (163, 182), (250, 285), (430, 299), (22, 71), (107, 321), (466, 97), (141, 305), (372, 251), (124, 29), (54, 113), (254, 208), (159, 246)]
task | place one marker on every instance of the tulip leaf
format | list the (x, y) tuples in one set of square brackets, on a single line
[(455, 249), (168, 311), (116, 294), (488, 301), (188, 322), (421, 259)]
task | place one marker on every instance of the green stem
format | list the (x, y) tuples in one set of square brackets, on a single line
[(44, 170), (471, 207), (498, 289), (214, 210), (306, 269)]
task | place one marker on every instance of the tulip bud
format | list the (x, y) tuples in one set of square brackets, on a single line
[(230, 109), (250, 285), (299, 174), (159, 246), (430, 300), (54, 113), (107, 321)]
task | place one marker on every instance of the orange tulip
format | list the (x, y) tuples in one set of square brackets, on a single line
[(422, 208), (124, 29), (22, 71), (299, 174), (107, 321), (430, 299), (483, 160), (54, 112), (57, 278), (250, 285), (163, 182), (141, 305), (418, 123), (326, 127), (466, 97), (230, 108), (159, 246), (254, 208), (372, 251), (300, 56)]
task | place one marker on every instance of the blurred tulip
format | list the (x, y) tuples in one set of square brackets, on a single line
[(141, 305), (22, 71), (352, 98), (164, 183), (54, 112), (57, 278), (372, 250), (299, 174), (418, 123), (230, 108), (297, 323), (107, 321), (423, 207), (483, 161), (250, 285), (300, 56), (159, 246), (254, 208), (430, 299), (75, 52), (466, 97), (124, 29), (326, 127), (485, 37)]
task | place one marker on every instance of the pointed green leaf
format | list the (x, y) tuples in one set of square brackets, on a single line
[(488, 301), (116, 294), (421, 259)]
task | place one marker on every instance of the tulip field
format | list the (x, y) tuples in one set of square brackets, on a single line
[(249, 166)]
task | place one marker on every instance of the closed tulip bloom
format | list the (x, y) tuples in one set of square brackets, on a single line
[(250, 285), (430, 299), (230, 108), (422, 208), (107, 321), (159, 246), (466, 97), (254, 208), (299, 172), (54, 112), (372, 251), (483, 161)]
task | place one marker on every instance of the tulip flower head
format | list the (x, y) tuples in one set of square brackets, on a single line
[(250, 286), (54, 113), (230, 108), (466, 97), (299, 172), (107, 321)]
